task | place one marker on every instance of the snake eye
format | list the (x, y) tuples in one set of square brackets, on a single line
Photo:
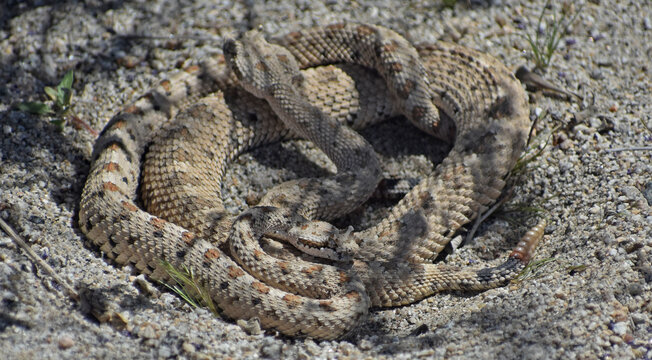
[(230, 48)]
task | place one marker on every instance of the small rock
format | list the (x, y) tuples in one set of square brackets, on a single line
[(271, 350), (613, 108), (145, 286), (312, 348), (346, 349), (556, 115), (251, 326), (633, 246), (608, 238), (560, 294), (421, 329), (500, 20), (638, 318), (628, 338), (582, 131), (164, 352), (595, 210), (65, 342), (603, 61), (252, 198), (596, 74), (647, 193), (615, 339), (127, 61), (576, 331), (631, 193), (597, 37), (593, 325), (635, 289), (620, 328), (188, 347), (564, 142), (365, 344), (595, 123), (647, 23), (147, 332)]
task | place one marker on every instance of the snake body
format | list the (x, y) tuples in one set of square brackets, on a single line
[(322, 284)]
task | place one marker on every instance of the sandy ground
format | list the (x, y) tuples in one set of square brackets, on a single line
[(592, 300)]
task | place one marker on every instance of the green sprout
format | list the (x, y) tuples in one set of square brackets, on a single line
[(544, 45), (189, 288), (61, 108), (449, 3), (531, 270)]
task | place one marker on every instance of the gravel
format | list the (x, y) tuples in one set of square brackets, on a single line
[(592, 300)]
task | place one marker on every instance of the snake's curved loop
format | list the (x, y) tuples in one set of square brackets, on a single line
[(487, 109)]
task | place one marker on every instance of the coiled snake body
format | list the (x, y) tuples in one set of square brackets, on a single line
[(195, 123)]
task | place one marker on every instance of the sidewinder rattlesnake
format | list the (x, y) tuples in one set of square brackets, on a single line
[(189, 127)]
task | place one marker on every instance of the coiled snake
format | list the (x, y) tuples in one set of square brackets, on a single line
[(195, 123)]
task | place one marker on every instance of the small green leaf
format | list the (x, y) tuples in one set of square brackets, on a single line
[(52, 94), (449, 3), (64, 92), (61, 94), (59, 123), (34, 107), (67, 97), (576, 268), (66, 82)]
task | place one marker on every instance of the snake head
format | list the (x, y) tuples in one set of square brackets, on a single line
[(261, 67), (231, 49)]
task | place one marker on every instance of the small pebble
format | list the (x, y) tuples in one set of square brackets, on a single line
[(66, 342), (615, 339), (252, 198), (647, 193), (596, 74), (603, 61), (500, 20), (127, 61), (597, 37), (635, 289), (365, 344), (164, 352), (188, 347), (647, 23), (619, 316), (251, 326), (147, 332), (628, 338), (146, 287)]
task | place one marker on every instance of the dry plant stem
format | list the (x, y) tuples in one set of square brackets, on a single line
[(634, 148), (37, 260)]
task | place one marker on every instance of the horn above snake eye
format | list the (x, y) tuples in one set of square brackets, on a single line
[(230, 48)]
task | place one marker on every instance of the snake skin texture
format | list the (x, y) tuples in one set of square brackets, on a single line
[(154, 189)]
